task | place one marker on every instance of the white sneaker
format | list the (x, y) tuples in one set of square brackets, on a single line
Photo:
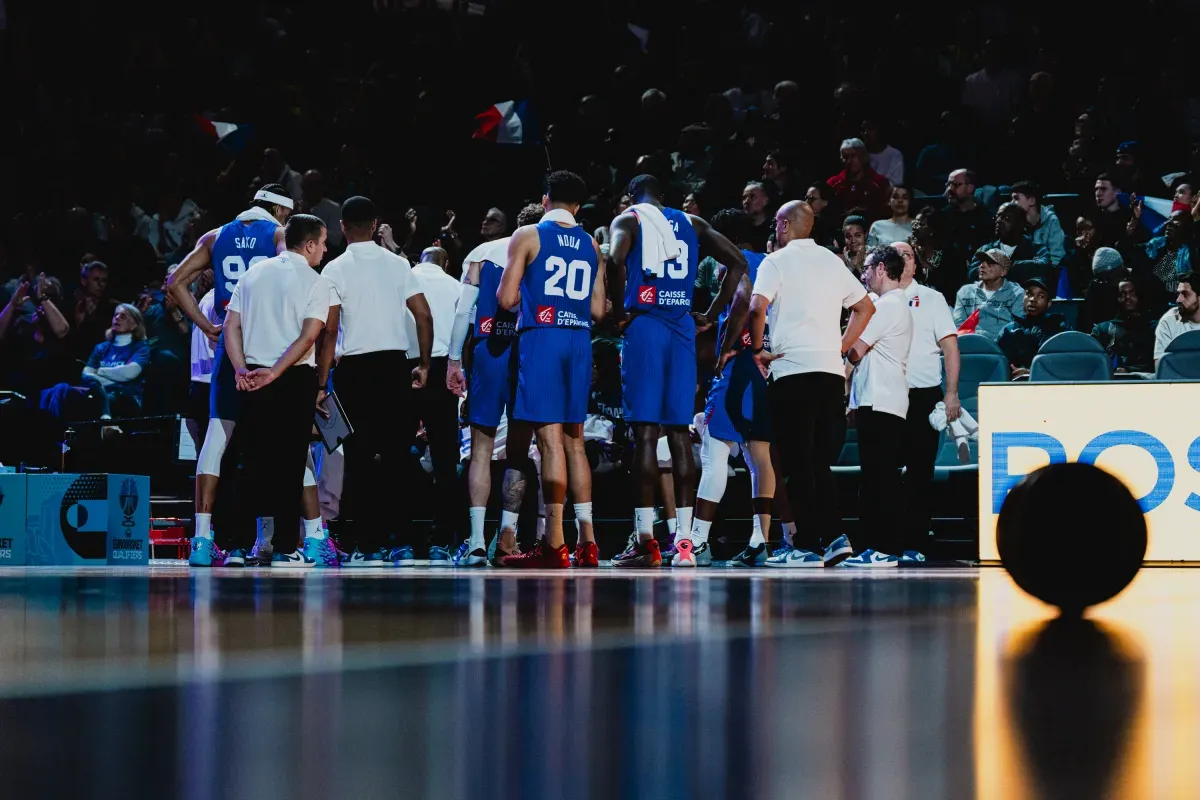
[(871, 559), (839, 549), (796, 559)]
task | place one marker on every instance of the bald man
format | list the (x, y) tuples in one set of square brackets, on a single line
[(934, 342), (806, 286)]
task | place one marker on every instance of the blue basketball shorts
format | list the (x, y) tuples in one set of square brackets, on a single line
[(658, 374), (554, 375), (493, 380), (224, 399), (736, 409)]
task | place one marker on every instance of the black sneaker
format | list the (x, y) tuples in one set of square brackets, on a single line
[(750, 557)]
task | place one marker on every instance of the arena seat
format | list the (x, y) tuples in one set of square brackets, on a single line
[(1070, 356), (1181, 361), (982, 362)]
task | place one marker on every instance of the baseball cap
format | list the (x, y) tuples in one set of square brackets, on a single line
[(997, 257), (1106, 259), (1037, 280)]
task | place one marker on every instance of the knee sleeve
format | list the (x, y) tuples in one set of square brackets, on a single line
[(215, 442), (714, 465), (310, 471)]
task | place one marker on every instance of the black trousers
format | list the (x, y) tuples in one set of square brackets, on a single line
[(275, 429), (437, 407), (808, 413), (375, 390), (920, 454), (880, 449)]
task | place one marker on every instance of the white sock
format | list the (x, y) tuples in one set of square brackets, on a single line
[(508, 520), (684, 515), (789, 532), (477, 515), (266, 531), (700, 529), (583, 512), (672, 526), (203, 526), (313, 529), (757, 538), (643, 519)]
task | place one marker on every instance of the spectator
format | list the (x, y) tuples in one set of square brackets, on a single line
[(33, 330), (1129, 171), (1100, 297), (777, 171), (993, 298), (1128, 338), (859, 186), (1023, 337), (93, 309), (167, 230), (1041, 221), (1078, 263), (854, 234), (970, 223), (115, 370), (313, 201), (884, 159), (936, 160), (1112, 220), (756, 203), (275, 169), (690, 206), (494, 226), (994, 92), (692, 160), (899, 227), (1184, 317), (939, 265), (1012, 241), (827, 223), (1172, 252)]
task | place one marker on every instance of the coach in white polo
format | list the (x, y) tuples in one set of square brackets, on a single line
[(806, 287), (879, 397), (934, 341), (372, 287), (274, 317)]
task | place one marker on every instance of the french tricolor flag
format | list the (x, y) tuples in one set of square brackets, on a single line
[(505, 123), (1155, 210), (228, 135)]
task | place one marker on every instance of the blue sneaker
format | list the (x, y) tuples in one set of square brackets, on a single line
[(838, 551), (204, 552), (296, 560), (912, 557), (795, 558), (466, 557), (784, 548), (402, 557), (361, 559), (235, 558), (439, 557), (259, 557), (322, 551), (871, 559), (461, 552)]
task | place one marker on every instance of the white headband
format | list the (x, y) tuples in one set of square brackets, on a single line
[(277, 199)]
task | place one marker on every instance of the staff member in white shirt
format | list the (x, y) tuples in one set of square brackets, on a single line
[(806, 288), (934, 342), (437, 406), (1184, 317), (374, 380), (274, 317), (879, 395)]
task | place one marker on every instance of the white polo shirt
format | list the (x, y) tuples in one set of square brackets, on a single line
[(371, 284), (931, 323), (274, 298), (807, 286), (441, 292), (1170, 326), (879, 379)]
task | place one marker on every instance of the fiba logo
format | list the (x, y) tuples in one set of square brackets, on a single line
[(485, 325), (545, 315), (647, 295)]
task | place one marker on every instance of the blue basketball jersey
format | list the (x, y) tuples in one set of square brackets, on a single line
[(664, 290), (238, 247), (752, 261), (556, 289), (490, 319)]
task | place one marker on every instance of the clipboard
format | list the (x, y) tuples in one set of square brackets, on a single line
[(337, 428)]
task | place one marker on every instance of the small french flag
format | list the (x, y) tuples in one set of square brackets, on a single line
[(228, 135), (505, 123), (1155, 210)]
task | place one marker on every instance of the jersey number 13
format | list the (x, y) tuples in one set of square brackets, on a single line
[(676, 268)]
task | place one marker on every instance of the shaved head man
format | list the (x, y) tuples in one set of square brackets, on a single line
[(794, 220)]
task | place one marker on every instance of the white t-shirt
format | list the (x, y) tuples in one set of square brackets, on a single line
[(203, 350), (372, 285), (885, 231), (879, 379), (1170, 326), (931, 323), (274, 298), (888, 162), (441, 292), (807, 286)]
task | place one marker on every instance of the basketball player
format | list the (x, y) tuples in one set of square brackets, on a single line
[(492, 391), (553, 272), (254, 235), (735, 413), (654, 255)]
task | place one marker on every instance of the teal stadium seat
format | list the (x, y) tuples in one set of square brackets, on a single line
[(1070, 357)]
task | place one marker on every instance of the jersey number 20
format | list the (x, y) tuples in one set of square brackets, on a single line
[(676, 268), (578, 276), (234, 268)]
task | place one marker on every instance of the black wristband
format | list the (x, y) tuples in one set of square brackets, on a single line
[(760, 349)]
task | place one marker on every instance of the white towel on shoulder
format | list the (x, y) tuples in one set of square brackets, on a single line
[(659, 244)]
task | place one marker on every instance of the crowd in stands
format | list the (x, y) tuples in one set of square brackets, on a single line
[(994, 138)]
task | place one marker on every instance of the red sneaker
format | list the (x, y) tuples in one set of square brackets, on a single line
[(542, 556), (587, 554), (640, 554)]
